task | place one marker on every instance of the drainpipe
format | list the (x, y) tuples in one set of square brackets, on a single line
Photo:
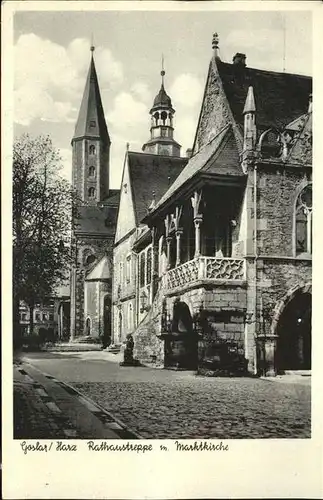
[(255, 260)]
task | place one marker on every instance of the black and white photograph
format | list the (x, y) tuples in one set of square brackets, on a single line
[(162, 227)]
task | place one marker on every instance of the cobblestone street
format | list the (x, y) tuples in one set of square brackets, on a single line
[(212, 408), (167, 404)]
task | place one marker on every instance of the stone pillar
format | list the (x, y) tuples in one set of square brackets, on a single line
[(154, 263), (179, 232), (267, 346), (197, 223), (73, 304), (168, 243)]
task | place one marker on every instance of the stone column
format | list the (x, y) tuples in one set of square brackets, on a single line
[(154, 263), (168, 243), (73, 304), (267, 344), (179, 232), (197, 224)]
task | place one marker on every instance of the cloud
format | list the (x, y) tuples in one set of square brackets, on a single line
[(185, 131), (49, 78), (141, 90), (265, 45), (128, 113), (186, 90)]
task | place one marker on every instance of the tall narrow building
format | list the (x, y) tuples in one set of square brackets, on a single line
[(94, 217)]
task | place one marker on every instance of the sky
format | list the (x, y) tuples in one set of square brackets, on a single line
[(52, 56)]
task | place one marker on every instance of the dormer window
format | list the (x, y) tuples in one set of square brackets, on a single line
[(91, 193), (92, 149), (91, 171), (92, 124)]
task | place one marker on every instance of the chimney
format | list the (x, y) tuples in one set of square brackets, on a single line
[(189, 152), (239, 59)]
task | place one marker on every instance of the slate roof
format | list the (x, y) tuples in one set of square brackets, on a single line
[(101, 270), (101, 218), (220, 156), (280, 97), (151, 173), (91, 121), (162, 99)]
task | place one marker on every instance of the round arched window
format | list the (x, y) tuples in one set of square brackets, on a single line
[(90, 259)]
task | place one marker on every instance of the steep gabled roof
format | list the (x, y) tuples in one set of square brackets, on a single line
[(101, 271), (91, 121), (150, 177), (220, 157), (99, 219), (280, 97)]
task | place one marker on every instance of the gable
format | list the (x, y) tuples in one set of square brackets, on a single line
[(215, 111), (126, 216)]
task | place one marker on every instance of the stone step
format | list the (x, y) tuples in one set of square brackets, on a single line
[(73, 347), (86, 340), (303, 373)]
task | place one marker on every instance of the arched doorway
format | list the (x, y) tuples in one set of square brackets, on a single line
[(294, 330), (181, 343), (106, 321), (88, 327)]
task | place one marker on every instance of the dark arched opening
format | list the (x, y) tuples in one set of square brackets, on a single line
[(181, 343), (106, 341), (294, 331)]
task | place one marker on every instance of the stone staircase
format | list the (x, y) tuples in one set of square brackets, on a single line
[(148, 348)]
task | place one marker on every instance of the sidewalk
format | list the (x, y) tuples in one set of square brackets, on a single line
[(46, 408)]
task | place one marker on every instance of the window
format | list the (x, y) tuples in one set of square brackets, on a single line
[(37, 316), (92, 124), (90, 259), (121, 272), (91, 171), (148, 267), (45, 316), (23, 316), (128, 269), (142, 269), (51, 317), (92, 149), (91, 193), (303, 221), (130, 316)]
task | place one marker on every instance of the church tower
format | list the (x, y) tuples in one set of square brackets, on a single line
[(161, 130), (94, 217), (91, 144)]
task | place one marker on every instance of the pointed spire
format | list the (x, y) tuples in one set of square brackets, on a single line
[(249, 106), (91, 121)]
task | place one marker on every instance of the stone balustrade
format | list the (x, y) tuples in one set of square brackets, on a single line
[(207, 269)]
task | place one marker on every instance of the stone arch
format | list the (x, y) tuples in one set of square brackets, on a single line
[(305, 288), (107, 317), (182, 318), (88, 326)]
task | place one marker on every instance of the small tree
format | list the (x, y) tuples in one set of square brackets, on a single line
[(42, 210)]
